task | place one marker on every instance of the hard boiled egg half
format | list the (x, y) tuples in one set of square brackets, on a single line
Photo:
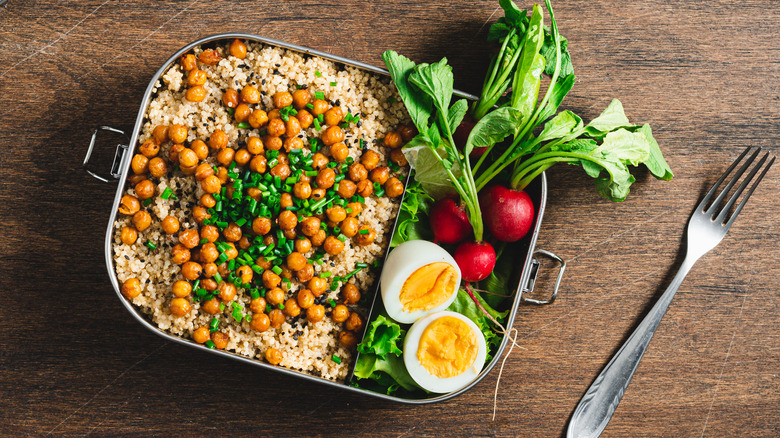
[(444, 351), (418, 278)]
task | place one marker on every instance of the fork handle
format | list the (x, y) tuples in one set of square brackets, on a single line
[(602, 398)]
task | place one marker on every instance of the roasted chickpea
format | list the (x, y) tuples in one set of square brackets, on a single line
[(222, 174), (274, 114), (257, 305), (317, 194), (249, 94), (139, 164), (310, 226), (261, 225), (220, 340), (191, 270), (260, 322), (242, 157), (320, 107), (366, 238), (274, 296), (339, 152), (306, 273), (349, 227), (333, 245), (209, 57), (348, 340), (277, 318), (209, 253), (302, 245), (354, 209), (238, 49), (218, 139), (273, 356), (232, 232), (369, 159), (407, 132), (180, 254), (211, 184), (272, 143), (357, 172), (393, 140), (263, 263), (300, 98), (189, 238), (333, 116), (244, 242), (302, 190), (340, 313), (398, 157), (210, 233), (254, 145), (134, 179), (150, 148), (209, 270), (258, 164), (227, 291), (181, 289), (157, 167), (211, 306), (282, 99), (173, 152), (315, 313), (242, 112), (276, 127), (131, 288), (305, 298), (325, 178), (188, 170), (333, 135), (394, 187), (200, 148), (177, 133), (144, 189), (317, 285), (319, 161), (291, 308), (187, 158), (319, 238), (196, 77), (350, 293), (230, 251), (287, 220), (380, 175), (180, 306), (304, 118), (347, 189), (230, 98), (129, 205), (258, 118), (201, 334), (292, 143), (336, 213), (271, 280), (225, 156), (281, 170), (142, 220), (354, 323), (203, 171), (129, 235), (365, 188), (188, 62)]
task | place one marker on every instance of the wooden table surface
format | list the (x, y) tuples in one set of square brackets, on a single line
[(704, 74)]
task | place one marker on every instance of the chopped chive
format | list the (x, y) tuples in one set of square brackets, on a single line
[(147, 202), (277, 270), (361, 265), (333, 84), (221, 307), (218, 278), (363, 231), (150, 244), (332, 302), (230, 111), (336, 359), (243, 125), (214, 324), (317, 73), (317, 126), (319, 95), (280, 306), (210, 345), (342, 237), (325, 274), (167, 193), (309, 106)]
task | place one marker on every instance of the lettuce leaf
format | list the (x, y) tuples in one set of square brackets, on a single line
[(380, 356), (382, 338), (412, 223)]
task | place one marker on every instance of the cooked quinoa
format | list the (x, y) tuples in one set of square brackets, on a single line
[(144, 253)]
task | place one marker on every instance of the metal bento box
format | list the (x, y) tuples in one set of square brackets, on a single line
[(525, 250)]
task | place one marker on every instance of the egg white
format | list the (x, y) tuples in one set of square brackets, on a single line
[(428, 381), (402, 261)]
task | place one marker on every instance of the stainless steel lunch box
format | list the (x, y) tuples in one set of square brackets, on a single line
[(121, 167)]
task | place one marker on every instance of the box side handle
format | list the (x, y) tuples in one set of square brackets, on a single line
[(529, 287), (119, 155)]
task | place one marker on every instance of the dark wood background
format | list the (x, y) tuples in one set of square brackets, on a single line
[(705, 74)]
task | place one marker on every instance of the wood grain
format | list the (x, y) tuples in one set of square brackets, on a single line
[(704, 74)]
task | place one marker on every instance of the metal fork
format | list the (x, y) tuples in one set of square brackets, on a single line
[(705, 231)]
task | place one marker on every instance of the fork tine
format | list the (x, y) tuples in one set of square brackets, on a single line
[(725, 210), (749, 192), (716, 203), (714, 188)]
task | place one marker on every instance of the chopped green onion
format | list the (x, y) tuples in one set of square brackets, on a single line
[(325, 274), (336, 359), (332, 302), (150, 244), (280, 306), (277, 270), (364, 231), (319, 95), (230, 111), (317, 73), (309, 106), (317, 126), (146, 202), (254, 293), (333, 84), (167, 193), (361, 265), (214, 324), (218, 278), (210, 345), (243, 125), (221, 307)]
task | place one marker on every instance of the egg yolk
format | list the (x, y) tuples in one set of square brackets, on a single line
[(428, 287), (447, 348)]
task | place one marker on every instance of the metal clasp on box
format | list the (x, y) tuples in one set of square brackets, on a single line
[(119, 155), (529, 286)]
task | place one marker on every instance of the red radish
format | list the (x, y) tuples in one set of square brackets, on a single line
[(476, 260), (507, 213), (461, 136), (449, 222)]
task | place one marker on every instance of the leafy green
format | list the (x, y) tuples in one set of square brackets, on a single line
[(565, 124), (656, 162), (417, 105), (382, 337), (609, 120), (559, 90), (549, 53), (412, 221), (429, 171), (498, 283), (436, 81), (525, 85), (492, 128), (380, 356), (456, 114)]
